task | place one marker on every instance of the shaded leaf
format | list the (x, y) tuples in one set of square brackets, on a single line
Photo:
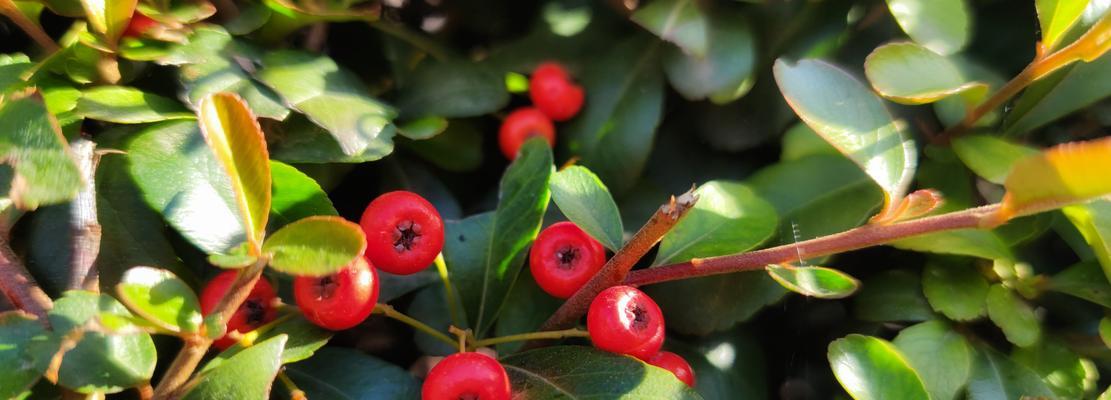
[(727, 366), (1084, 280), (911, 74), (681, 22), (586, 201), (1013, 316), (995, 377), (338, 373), (247, 375), (127, 105), (423, 128), (820, 282), (940, 356), (990, 157), (725, 72), (452, 89), (32, 144), (161, 298), (459, 148), (943, 26), (955, 289), (1066, 373), (531, 307), (558, 372), (966, 242), (315, 246), (894, 295), (872, 368)]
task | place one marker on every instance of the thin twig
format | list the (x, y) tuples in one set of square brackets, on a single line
[(83, 220), (449, 292), (543, 335), (295, 393), (316, 37), (8, 8), (19, 286), (389, 311)]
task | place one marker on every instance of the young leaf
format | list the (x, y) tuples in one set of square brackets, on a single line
[(678, 21), (247, 375), (335, 371), (23, 361), (1064, 174), (1056, 17), (940, 356), (1093, 220), (997, 377), (557, 372), (820, 282), (127, 105), (1013, 316), (1060, 94), (954, 289), (872, 368), (725, 72), (161, 298), (852, 119), (315, 246), (584, 199), (32, 144), (941, 25), (990, 157), (128, 354), (109, 18), (908, 73)]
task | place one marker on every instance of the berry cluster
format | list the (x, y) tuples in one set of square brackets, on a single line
[(555, 97)]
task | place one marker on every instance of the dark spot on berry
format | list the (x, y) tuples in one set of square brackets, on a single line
[(256, 311), (639, 315), (567, 256), (469, 396), (325, 287), (406, 235)]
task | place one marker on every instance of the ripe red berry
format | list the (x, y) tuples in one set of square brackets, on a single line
[(139, 24), (676, 364), (404, 232), (553, 92), (466, 376), (624, 320), (564, 258), (256, 310), (341, 300), (521, 125)]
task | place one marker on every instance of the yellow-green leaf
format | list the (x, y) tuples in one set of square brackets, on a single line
[(315, 246), (1064, 174), (234, 135), (909, 73), (1056, 17), (109, 18), (32, 144)]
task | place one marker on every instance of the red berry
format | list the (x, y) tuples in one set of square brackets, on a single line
[(553, 92), (341, 300), (404, 232), (676, 364), (466, 376), (624, 320), (564, 258), (139, 24), (521, 125), (256, 310)]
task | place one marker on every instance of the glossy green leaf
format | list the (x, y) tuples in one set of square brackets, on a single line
[(109, 18), (24, 361), (908, 73), (1084, 280), (852, 119), (247, 375), (586, 201), (160, 297), (996, 377), (531, 306), (12, 67), (294, 196), (1058, 95), (872, 368), (127, 105), (303, 339), (990, 157), (423, 128), (955, 289), (299, 140), (238, 257), (894, 295), (452, 89), (339, 373), (966, 242), (681, 22), (430, 307), (484, 252), (315, 246), (820, 282), (1093, 220), (1013, 316), (613, 133), (1065, 372), (1056, 17), (725, 71), (331, 97), (44, 170), (557, 372), (1061, 175), (943, 26), (101, 362), (940, 356)]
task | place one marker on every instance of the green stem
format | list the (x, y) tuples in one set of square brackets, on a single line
[(449, 293), (389, 311), (544, 335), (295, 393)]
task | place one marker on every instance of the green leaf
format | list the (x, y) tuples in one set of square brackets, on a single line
[(336, 373), (1064, 174), (12, 67), (1013, 316), (238, 257), (940, 356), (430, 306), (44, 171), (584, 199), (1062, 93), (680, 22), (943, 26), (872, 368), (728, 218), (127, 105), (955, 289), (1093, 220), (531, 307), (109, 18), (799, 141), (331, 97), (1068, 375), (990, 157), (299, 140), (294, 196), (484, 252), (728, 365), (21, 354), (303, 339), (726, 71), (995, 377), (557, 372), (247, 375), (101, 362), (457, 149), (1084, 280), (1056, 17), (160, 297), (452, 89), (908, 73), (423, 128), (965, 242), (1105, 331), (613, 134), (894, 295), (315, 246), (844, 112), (820, 282)]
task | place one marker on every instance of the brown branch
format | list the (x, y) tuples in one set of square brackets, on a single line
[(19, 286), (173, 382), (619, 265), (865, 236), (8, 8), (86, 229)]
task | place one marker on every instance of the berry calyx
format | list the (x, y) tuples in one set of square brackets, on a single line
[(624, 320), (675, 364), (564, 258), (472, 376), (523, 124), (139, 25), (553, 92), (404, 232), (256, 310), (341, 300)]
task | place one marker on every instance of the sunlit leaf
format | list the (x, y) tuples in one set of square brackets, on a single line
[(1056, 17), (1013, 316), (1093, 220), (943, 26), (315, 246), (161, 298), (584, 199), (820, 282), (681, 22), (126, 105), (940, 355), (908, 73), (990, 157), (109, 18), (247, 375), (872, 368), (32, 144), (1067, 173)]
